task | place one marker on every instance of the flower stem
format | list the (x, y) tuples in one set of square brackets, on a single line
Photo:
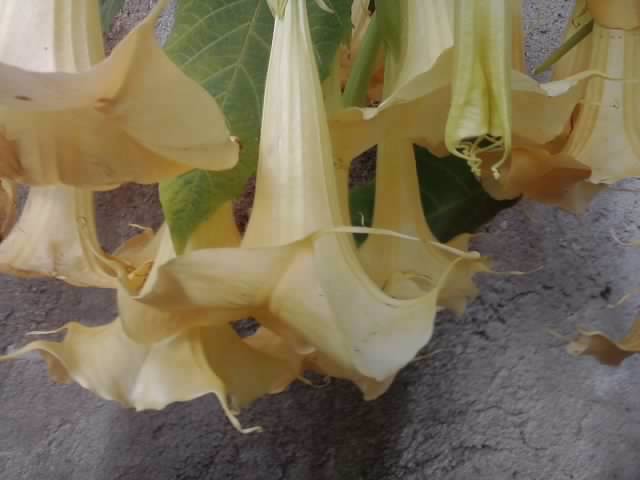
[(355, 93), (566, 47)]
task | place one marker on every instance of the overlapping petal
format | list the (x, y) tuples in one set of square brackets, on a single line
[(101, 125), (69, 117), (605, 131), (419, 105), (297, 270), (199, 361)]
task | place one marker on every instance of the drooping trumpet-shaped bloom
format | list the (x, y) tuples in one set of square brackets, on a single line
[(69, 117), (430, 96), (538, 173), (200, 357), (55, 235), (542, 172), (72, 118), (406, 268), (403, 268), (47, 238), (297, 270), (604, 133), (480, 113)]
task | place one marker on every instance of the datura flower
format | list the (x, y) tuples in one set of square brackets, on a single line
[(604, 133), (98, 126), (151, 374), (542, 172), (297, 269), (537, 173), (457, 94), (68, 118), (404, 268), (294, 271), (54, 236)]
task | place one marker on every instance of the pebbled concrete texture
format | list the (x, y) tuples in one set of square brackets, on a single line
[(495, 396)]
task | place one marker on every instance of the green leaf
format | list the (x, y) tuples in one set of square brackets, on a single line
[(108, 10), (224, 46), (453, 200)]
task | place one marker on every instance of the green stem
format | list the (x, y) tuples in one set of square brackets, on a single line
[(355, 93), (566, 47)]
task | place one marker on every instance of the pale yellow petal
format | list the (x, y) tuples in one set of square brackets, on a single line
[(195, 363), (538, 174), (480, 114), (370, 388), (48, 240), (297, 270), (606, 132), (267, 342), (419, 111), (218, 231), (291, 163), (405, 268), (30, 29), (105, 125), (148, 325)]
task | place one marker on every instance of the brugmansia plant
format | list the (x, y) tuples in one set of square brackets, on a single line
[(342, 282)]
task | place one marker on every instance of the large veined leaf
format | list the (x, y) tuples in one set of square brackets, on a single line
[(108, 10), (224, 45), (453, 200)]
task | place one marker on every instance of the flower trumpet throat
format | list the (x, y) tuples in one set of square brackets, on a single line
[(78, 119), (479, 119), (297, 270), (605, 131)]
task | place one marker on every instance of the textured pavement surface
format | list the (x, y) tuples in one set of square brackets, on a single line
[(497, 398)]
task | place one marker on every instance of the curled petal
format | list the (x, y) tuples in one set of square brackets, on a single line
[(104, 360), (405, 268), (316, 288), (480, 114), (606, 132), (148, 325), (297, 270), (539, 174), (106, 124), (48, 239), (418, 102)]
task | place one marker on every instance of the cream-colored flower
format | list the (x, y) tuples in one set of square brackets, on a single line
[(297, 270), (147, 358), (604, 133), (73, 118), (430, 99), (70, 118)]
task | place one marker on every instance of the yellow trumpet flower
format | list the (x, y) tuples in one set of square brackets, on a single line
[(297, 270), (69, 118), (610, 103), (72, 118), (438, 100)]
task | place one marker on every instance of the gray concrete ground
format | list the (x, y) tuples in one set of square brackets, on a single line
[(497, 399)]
